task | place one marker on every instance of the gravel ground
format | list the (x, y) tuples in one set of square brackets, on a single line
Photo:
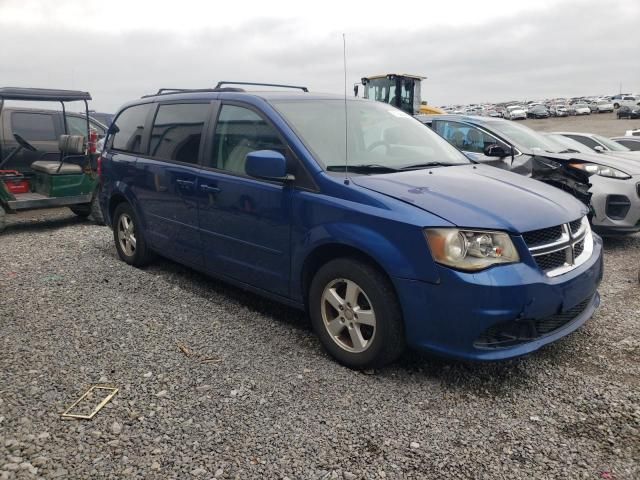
[(270, 403)]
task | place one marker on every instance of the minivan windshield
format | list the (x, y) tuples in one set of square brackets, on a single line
[(524, 136), (380, 137)]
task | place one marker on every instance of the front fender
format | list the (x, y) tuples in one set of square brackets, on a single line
[(400, 251)]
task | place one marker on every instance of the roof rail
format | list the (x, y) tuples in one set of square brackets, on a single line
[(175, 91), (304, 89)]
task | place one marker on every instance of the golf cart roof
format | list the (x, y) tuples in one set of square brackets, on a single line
[(42, 94)]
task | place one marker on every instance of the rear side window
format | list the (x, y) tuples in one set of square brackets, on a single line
[(33, 126), (130, 123), (177, 131)]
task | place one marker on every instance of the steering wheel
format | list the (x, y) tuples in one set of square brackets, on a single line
[(24, 144), (379, 143)]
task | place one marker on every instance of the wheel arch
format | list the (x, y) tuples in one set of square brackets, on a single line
[(327, 252), (116, 199)]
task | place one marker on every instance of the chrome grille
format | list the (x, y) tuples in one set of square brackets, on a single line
[(575, 225), (542, 236), (560, 249)]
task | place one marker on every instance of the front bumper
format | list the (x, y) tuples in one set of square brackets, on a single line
[(609, 217), (451, 317)]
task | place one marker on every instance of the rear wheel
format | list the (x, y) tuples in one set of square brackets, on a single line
[(129, 237), (356, 315)]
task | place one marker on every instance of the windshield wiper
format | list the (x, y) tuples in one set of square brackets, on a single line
[(418, 166), (363, 168)]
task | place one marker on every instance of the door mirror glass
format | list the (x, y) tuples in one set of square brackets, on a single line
[(495, 150), (266, 164)]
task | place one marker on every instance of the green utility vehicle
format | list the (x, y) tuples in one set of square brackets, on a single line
[(69, 178)]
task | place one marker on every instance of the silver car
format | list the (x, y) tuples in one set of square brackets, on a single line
[(615, 186), (599, 144), (608, 184)]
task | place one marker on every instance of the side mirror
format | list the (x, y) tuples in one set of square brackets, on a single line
[(355, 90), (267, 165), (113, 128), (495, 150), (598, 149)]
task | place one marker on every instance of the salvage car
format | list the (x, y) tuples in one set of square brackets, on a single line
[(515, 112), (628, 112), (625, 100), (559, 111), (386, 234), (593, 179), (537, 111), (632, 143), (602, 106), (579, 109), (599, 143)]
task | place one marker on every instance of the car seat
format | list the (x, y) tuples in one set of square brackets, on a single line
[(458, 139)]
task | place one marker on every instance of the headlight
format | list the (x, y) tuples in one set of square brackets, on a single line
[(601, 170), (470, 250)]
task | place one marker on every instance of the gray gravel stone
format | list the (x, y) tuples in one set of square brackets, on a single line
[(569, 411)]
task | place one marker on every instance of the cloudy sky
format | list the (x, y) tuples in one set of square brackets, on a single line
[(470, 50)]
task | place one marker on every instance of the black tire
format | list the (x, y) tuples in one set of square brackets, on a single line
[(96, 210), (140, 255), (82, 210), (92, 209), (387, 342)]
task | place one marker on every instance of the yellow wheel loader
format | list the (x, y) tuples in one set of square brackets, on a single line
[(400, 90)]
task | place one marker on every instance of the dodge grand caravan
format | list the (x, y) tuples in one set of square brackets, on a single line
[(385, 233)]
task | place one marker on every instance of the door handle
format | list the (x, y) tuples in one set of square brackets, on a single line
[(185, 183), (209, 189)]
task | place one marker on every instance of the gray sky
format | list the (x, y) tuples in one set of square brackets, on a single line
[(470, 50)]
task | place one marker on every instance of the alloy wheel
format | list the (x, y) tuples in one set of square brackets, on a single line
[(126, 235), (348, 315)]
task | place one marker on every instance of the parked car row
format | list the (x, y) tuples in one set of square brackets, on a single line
[(559, 107)]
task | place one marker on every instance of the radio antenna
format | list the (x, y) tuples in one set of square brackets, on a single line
[(346, 129)]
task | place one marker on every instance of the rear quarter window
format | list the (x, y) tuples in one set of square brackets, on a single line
[(130, 129), (36, 127), (177, 131)]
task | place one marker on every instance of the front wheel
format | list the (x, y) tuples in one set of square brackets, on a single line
[(355, 313), (129, 237)]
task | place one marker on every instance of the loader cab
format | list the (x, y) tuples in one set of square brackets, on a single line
[(401, 91)]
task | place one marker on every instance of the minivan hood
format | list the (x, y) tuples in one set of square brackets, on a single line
[(479, 196)]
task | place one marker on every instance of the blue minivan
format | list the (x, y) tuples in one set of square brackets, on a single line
[(385, 233)]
